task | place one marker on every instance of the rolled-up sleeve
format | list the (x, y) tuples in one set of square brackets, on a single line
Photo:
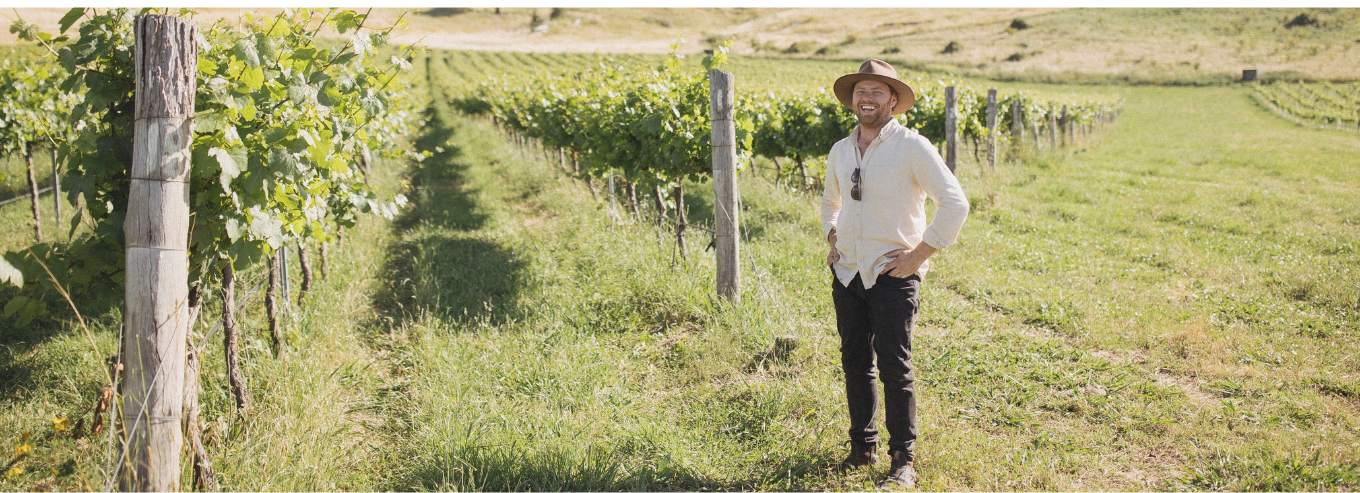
[(942, 187), (831, 197)]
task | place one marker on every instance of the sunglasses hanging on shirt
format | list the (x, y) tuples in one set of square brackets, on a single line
[(854, 178)]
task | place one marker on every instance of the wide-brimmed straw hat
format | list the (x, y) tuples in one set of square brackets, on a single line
[(878, 70)]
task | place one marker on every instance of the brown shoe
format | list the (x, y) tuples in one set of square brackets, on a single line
[(902, 473), (860, 456)]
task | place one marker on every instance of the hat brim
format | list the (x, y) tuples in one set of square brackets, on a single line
[(845, 87)]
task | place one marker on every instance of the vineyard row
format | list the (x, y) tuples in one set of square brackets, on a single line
[(649, 125), (1323, 105)]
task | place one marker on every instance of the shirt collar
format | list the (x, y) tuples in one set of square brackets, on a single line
[(889, 129)]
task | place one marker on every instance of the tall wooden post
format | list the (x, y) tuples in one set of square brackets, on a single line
[(951, 129), (1052, 130), (285, 287), (991, 128), (157, 234), (613, 207), (722, 98), (56, 188), (1017, 124), (33, 190), (1066, 135)]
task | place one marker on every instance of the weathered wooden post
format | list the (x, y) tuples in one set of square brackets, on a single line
[(56, 189), (991, 128), (1052, 130), (951, 129), (613, 206), (33, 190), (157, 235), (1063, 130), (285, 287), (365, 160), (1017, 122), (722, 99), (1071, 127), (271, 303)]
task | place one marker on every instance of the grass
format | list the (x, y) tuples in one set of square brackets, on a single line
[(1169, 305), (1071, 370)]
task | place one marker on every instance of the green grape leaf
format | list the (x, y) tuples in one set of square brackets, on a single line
[(346, 20), (319, 148), (31, 310), (248, 111), (284, 163), (234, 229), (207, 121), (305, 54), (273, 135), (266, 46), (24, 30), (300, 92), (253, 78), (344, 59), (264, 226), (206, 66), (330, 95), (70, 18), (371, 105), (245, 51), (230, 161), (15, 305), (11, 274)]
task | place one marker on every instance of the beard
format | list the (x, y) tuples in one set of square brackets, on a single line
[(876, 119)]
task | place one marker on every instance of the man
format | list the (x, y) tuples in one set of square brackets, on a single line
[(874, 218)]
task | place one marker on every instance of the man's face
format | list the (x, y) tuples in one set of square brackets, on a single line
[(874, 102)]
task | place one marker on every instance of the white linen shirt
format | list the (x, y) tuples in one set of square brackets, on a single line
[(899, 169)]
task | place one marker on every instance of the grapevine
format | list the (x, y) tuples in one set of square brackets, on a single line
[(610, 116)]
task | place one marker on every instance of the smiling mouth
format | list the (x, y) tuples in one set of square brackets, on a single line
[(867, 108)]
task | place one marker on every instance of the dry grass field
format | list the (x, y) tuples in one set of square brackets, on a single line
[(1057, 45)]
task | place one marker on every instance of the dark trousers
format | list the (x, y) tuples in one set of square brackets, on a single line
[(878, 322)]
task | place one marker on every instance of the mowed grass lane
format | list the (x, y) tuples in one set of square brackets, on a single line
[(1210, 245), (1168, 309)]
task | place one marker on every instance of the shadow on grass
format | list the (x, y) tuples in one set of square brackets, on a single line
[(440, 265), (18, 368), (444, 197), (510, 468), (458, 279), (26, 365)]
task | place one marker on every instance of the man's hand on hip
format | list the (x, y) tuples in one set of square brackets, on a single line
[(907, 261), (834, 256)]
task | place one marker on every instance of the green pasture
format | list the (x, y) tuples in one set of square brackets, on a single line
[(1170, 304)]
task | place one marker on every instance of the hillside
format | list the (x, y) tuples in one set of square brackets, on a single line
[(1055, 45)]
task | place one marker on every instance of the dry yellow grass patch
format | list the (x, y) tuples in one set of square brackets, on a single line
[(1156, 43)]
